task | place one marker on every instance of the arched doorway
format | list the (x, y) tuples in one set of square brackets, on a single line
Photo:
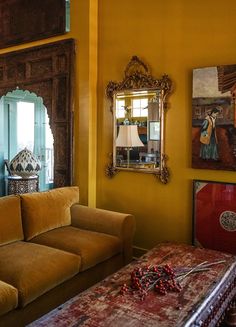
[(24, 123), (48, 72)]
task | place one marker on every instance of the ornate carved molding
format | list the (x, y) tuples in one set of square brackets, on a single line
[(110, 169), (137, 76), (163, 174), (48, 72)]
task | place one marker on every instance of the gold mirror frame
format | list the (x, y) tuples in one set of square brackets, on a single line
[(137, 78)]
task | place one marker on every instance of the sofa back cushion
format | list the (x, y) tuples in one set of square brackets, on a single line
[(45, 211), (10, 220)]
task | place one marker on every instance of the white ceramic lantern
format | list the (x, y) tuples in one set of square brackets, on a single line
[(25, 164)]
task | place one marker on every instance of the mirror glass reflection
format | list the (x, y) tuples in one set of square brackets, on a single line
[(138, 105), (137, 133)]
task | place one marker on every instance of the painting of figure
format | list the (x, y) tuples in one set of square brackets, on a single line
[(214, 118)]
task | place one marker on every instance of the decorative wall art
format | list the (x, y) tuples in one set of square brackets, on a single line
[(214, 118), (214, 215)]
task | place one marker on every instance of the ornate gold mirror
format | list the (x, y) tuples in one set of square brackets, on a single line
[(138, 104)]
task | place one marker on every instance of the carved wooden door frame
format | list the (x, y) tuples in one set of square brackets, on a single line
[(47, 71)]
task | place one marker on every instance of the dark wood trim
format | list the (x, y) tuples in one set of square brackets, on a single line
[(48, 71), (24, 21)]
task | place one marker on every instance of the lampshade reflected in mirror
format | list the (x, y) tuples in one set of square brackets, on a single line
[(128, 138)]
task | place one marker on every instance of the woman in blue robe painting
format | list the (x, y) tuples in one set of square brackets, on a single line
[(208, 138)]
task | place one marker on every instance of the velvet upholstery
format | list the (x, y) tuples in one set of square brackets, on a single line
[(10, 220), (35, 269), (44, 211), (93, 247), (8, 297), (61, 293), (82, 251), (104, 221)]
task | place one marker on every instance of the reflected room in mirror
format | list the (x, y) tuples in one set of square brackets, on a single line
[(138, 107), (137, 121)]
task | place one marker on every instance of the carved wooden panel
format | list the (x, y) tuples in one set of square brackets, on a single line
[(28, 20), (48, 72), (61, 86)]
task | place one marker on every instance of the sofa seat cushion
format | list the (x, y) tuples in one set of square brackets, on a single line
[(43, 211), (35, 269), (93, 247), (10, 220), (8, 297)]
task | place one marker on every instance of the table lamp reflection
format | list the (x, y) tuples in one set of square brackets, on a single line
[(128, 138)]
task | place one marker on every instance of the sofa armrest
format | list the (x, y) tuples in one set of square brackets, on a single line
[(104, 221)]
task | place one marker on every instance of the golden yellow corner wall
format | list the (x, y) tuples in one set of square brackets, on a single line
[(173, 37), (84, 30)]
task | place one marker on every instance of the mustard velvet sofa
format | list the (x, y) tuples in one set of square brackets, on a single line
[(52, 248)]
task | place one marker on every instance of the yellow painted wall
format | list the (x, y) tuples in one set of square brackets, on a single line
[(83, 30), (173, 37)]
